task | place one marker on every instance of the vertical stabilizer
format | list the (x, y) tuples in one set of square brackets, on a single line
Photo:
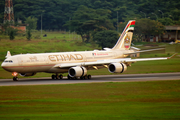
[(124, 41)]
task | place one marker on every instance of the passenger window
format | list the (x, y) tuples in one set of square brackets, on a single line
[(10, 61)]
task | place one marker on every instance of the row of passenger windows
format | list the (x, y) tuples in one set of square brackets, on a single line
[(8, 61)]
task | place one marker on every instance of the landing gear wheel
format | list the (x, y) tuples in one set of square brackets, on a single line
[(69, 77), (15, 78), (89, 76), (53, 77), (81, 77), (85, 77), (74, 78), (61, 77), (56, 77)]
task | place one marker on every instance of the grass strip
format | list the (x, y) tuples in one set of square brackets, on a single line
[(132, 100)]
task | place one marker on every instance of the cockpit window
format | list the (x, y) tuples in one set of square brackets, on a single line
[(10, 61)]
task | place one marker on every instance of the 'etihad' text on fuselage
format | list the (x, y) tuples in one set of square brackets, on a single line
[(65, 57)]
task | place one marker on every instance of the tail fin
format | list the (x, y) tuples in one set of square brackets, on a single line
[(124, 41)]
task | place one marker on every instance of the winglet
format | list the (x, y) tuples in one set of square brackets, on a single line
[(8, 54), (172, 56)]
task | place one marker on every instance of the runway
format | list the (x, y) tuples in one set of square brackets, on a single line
[(95, 79)]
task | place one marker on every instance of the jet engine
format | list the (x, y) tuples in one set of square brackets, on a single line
[(77, 71), (117, 67), (27, 74)]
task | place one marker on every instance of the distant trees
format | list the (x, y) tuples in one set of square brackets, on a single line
[(2, 2), (11, 34), (87, 17), (106, 38), (147, 27), (58, 12), (86, 21), (31, 23), (28, 35), (9, 30), (166, 21)]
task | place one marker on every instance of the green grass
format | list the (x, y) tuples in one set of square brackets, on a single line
[(133, 100)]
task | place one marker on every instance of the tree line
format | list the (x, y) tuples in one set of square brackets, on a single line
[(56, 13), (88, 17)]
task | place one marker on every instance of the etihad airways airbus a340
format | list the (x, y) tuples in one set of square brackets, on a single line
[(76, 63)]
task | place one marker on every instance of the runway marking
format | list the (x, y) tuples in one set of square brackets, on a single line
[(137, 78)]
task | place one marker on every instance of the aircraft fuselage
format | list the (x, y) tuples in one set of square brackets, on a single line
[(45, 62)]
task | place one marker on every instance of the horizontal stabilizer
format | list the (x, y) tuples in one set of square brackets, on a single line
[(172, 56), (144, 51)]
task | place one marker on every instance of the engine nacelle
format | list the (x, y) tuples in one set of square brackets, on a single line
[(27, 74), (117, 67), (77, 71)]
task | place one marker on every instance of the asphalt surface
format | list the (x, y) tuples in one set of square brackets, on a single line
[(94, 79)]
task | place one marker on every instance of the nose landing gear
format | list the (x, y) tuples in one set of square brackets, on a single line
[(15, 78), (15, 74)]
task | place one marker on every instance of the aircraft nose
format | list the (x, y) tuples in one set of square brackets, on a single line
[(6, 66), (3, 65)]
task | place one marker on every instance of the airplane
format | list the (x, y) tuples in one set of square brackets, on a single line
[(77, 63)]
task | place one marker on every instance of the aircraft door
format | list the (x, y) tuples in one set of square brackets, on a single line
[(46, 60), (84, 58)]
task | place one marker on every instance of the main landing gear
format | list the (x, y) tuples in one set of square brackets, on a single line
[(82, 77), (57, 77)]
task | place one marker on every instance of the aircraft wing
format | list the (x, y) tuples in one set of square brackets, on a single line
[(106, 62)]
